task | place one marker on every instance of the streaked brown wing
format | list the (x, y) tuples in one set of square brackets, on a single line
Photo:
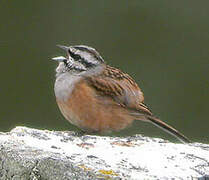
[(121, 88)]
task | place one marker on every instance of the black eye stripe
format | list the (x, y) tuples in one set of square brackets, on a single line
[(77, 57), (91, 51), (86, 64), (74, 56)]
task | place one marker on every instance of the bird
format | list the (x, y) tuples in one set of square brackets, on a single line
[(98, 98)]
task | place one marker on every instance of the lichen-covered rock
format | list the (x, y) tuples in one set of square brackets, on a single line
[(27, 153)]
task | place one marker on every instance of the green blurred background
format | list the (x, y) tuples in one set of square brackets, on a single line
[(163, 45)]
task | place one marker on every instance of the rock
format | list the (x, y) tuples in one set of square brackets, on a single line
[(31, 154)]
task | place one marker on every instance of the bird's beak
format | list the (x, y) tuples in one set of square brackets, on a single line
[(59, 59), (63, 47)]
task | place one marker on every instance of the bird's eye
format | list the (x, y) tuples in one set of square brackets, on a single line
[(74, 56)]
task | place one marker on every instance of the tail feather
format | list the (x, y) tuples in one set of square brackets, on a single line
[(168, 128), (144, 114)]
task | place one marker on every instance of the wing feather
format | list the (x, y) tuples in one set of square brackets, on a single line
[(121, 88)]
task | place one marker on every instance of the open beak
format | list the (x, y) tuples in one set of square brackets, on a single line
[(59, 59)]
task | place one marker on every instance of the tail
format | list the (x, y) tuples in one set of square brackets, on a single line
[(157, 122)]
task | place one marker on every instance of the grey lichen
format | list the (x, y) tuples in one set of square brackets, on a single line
[(33, 154)]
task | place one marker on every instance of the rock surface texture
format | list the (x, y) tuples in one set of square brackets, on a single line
[(41, 154)]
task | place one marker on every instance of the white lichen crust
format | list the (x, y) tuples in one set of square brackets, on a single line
[(27, 153)]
